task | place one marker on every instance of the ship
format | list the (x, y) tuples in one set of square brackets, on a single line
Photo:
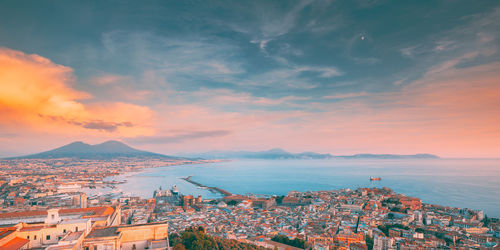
[(175, 190), (375, 178)]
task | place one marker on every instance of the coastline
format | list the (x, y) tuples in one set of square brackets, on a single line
[(452, 189)]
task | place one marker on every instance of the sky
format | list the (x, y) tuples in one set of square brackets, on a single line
[(339, 77)]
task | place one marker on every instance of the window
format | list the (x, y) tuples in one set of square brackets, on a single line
[(64, 231), (48, 237), (52, 216), (34, 237), (28, 237), (76, 229)]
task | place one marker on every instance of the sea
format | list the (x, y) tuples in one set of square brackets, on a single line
[(470, 183)]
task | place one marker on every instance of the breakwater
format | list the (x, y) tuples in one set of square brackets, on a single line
[(214, 189)]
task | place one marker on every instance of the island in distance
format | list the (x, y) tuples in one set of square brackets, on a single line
[(278, 153)]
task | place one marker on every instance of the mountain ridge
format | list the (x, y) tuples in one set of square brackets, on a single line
[(278, 153), (113, 149), (107, 149)]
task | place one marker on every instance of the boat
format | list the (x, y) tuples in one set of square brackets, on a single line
[(375, 178), (175, 190)]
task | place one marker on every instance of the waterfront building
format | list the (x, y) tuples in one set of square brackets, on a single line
[(411, 202)]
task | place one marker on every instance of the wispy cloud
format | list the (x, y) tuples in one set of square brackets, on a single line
[(91, 124), (445, 45), (345, 95), (275, 24), (411, 51), (176, 138), (292, 77), (108, 79), (181, 61)]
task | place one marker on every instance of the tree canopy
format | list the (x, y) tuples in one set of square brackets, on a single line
[(197, 239)]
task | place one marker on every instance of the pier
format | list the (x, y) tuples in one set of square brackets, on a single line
[(215, 189)]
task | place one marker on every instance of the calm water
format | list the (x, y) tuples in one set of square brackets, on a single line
[(452, 182)]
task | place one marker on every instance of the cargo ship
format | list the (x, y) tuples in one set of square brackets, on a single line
[(375, 178)]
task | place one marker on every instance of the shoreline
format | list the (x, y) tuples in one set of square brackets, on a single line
[(392, 183)]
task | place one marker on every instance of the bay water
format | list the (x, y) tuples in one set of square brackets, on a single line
[(471, 183)]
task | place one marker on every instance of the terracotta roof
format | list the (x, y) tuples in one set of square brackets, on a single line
[(287, 199), (91, 211), (103, 232), (23, 214), (15, 244), (72, 236), (6, 231), (61, 247)]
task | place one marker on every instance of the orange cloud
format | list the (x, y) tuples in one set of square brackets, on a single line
[(37, 95)]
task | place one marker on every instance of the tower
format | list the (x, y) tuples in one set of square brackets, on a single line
[(52, 216), (83, 200)]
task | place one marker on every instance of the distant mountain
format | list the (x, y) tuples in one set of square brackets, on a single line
[(275, 153), (389, 156), (109, 149), (278, 153)]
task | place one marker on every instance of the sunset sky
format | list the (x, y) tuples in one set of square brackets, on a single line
[(339, 77)]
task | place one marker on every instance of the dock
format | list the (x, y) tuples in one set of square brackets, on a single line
[(214, 189)]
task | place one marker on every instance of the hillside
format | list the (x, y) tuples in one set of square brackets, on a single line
[(278, 153), (108, 149), (275, 153), (196, 238)]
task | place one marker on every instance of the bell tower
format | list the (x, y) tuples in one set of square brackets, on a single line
[(52, 216)]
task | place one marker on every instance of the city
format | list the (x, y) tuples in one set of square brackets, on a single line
[(43, 206)]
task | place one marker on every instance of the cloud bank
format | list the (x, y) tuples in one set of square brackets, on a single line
[(38, 95)]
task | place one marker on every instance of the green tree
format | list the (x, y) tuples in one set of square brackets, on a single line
[(197, 239), (179, 246), (369, 242), (279, 199), (174, 239), (232, 203), (385, 228), (297, 242), (486, 221)]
